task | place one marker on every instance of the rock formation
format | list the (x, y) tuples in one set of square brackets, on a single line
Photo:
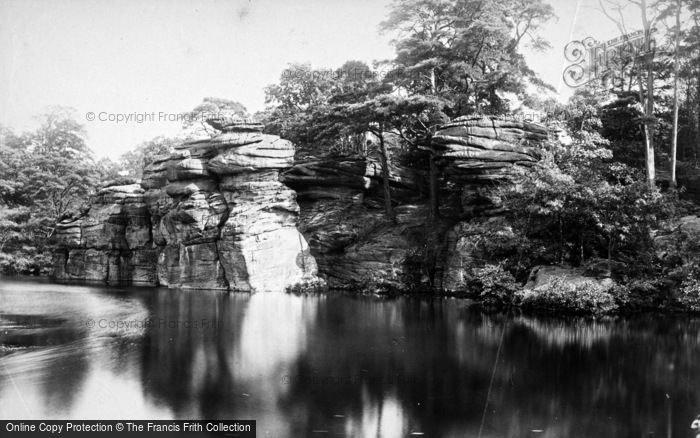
[(211, 215), (343, 219), (109, 243), (220, 214), (477, 153), (342, 215)]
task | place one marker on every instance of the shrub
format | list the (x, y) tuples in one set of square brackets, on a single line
[(689, 296), (25, 262), (495, 286), (576, 297)]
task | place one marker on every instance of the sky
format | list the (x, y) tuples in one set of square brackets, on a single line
[(164, 56)]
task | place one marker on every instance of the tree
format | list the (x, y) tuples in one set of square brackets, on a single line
[(132, 162), (302, 89), (576, 204), (377, 114), (194, 123), (10, 224), (53, 166), (44, 174), (464, 51), (643, 67), (676, 70)]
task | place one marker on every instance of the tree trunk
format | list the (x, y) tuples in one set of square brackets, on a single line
[(676, 68), (385, 176), (649, 128), (697, 119), (434, 213), (648, 101)]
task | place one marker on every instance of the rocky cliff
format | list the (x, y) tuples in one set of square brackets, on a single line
[(212, 215), (221, 214), (354, 244), (477, 153)]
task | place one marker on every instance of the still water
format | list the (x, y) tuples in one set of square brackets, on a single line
[(338, 365)]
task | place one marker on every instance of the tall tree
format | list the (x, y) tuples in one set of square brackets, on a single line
[(59, 171), (379, 114), (650, 12), (465, 50), (676, 71)]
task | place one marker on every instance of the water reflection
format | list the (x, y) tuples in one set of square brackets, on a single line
[(337, 365)]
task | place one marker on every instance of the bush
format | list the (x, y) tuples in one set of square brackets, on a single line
[(495, 286), (575, 297), (25, 263), (689, 297)]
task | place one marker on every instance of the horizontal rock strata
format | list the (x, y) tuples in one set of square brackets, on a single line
[(478, 152), (211, 215)]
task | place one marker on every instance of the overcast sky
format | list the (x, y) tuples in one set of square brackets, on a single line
[(128, 56)]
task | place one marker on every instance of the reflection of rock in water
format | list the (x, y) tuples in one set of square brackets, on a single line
[(187, 349), (233, 367), (351, 366)]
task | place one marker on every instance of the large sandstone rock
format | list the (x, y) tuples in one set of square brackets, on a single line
[(211, 215), (107, 243), (477, 152)]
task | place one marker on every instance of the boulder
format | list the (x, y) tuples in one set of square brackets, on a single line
[(543, 276), (562, 289)]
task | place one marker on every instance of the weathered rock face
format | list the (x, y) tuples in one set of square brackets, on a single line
[(212, 215), (111, 242), (478, 152), (220, 213), (341, 208), (347, 230)]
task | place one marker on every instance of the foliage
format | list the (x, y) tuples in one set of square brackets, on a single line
[(194, 123), (44, 174), (465, 51), (496, 286), (132, 163), (302, 92), (51, 168), (689, 297), (578, 204), (561, 295)]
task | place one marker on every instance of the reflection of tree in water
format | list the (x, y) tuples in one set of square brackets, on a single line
[(578, 378), (613, 386), (188, 368), (366, 353), (359, 366)]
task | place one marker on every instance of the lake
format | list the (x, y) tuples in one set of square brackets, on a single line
[(341, 365)]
